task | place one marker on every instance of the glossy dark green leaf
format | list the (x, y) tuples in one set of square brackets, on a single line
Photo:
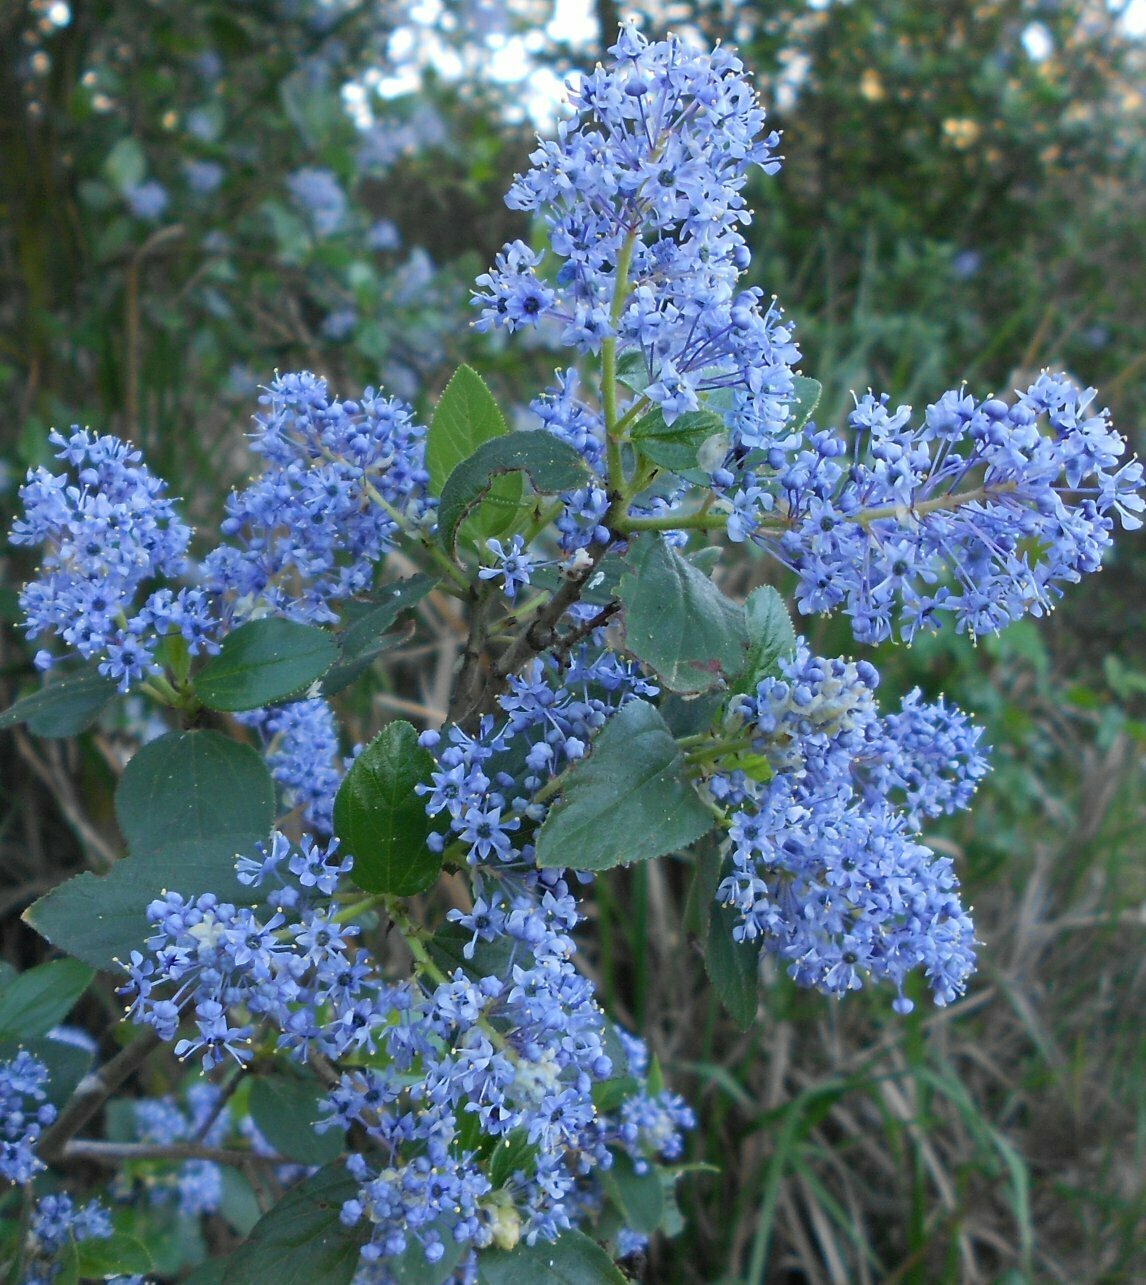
[(195, 795), (301, 1241), (640, 1196), (265, 661), (42, 997), (285, 1109), (572, 1259), (771, 636), (381, 821), (466, 416), (365, 636), (100, 918), (187, 804), (733, 967), (239, 1205), (550, 464), (64, 707), (678, 622), (678, 446), (630, 800)]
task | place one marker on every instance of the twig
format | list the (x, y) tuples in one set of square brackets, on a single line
[(116, 1153), (64, 796), (92, 1092)]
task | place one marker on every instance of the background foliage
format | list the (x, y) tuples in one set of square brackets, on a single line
[(965, 183)]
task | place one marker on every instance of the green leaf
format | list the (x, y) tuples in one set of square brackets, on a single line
[(100, 918), (466, 416), (448, 945), (609, 1094), (285, 1109), (411, 1267), (195, 795), (265, 661), (733, 967), (640, 1196), (805, 398), (64, 707), (677, 621), (551, 465), (66, 1064), (629, 801), (770, 636), (512, 1153), (362, 639), (239, 1205), (114, 1255), (125, 165), (301, 1240), (187, 804), (572, 1259), (677, 446), (381, 821), (633, 370), (42, 997)]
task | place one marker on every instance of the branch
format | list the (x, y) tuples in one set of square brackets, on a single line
[(92, 1092), (117, 1153)]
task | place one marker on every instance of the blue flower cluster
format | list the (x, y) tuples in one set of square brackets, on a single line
[(56, 1223), (310, 529), (983, 510), (826, 867), (641, 195), (221, 957), (505, 1045), (319, 194), (300, 746), (24, 1113), (552, 711), (107, 528)]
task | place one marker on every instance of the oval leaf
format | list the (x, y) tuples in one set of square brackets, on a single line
[(639, 1196), (302, 1241), (42, 997), (551, 465), (365, 637), (64, 707), (677, 446), (381, 821), (285, 1110), (770, 636), (265, 661), (678, 621), (187, 804), (466, 416), (195, 796), (629, 801)]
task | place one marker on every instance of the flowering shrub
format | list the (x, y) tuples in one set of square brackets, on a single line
[(389, 952)]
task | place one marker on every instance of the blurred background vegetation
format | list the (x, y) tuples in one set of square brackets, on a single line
[(197, 194)]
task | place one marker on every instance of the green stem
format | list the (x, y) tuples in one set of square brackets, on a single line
[(697, 521), (718, 749), (937, 504)]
